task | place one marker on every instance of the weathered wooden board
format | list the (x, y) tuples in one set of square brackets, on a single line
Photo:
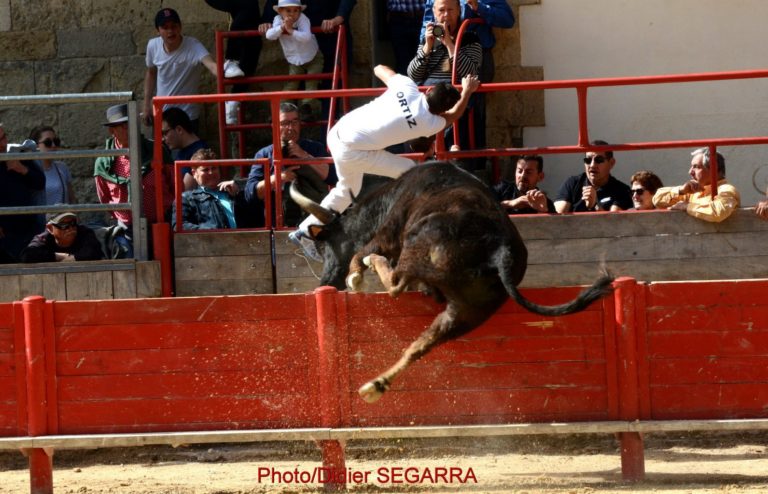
[(223, 263), (85, 280)]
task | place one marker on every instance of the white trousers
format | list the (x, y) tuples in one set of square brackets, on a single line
[(351, 164)]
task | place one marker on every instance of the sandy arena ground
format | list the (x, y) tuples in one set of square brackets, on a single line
[(675, 464)]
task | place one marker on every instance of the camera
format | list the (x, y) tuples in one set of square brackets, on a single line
[(438, 30)]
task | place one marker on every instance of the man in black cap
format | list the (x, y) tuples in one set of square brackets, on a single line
[(63, 240), (113, 173), (174, 65)]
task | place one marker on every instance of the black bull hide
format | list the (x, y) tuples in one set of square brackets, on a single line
[(440, 229)]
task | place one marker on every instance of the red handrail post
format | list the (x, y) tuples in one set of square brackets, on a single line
[(330, 390), (632, 453), (713, 168), (581, 95), (40, 463)]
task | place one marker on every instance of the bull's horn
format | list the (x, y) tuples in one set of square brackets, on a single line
[(310, 206)]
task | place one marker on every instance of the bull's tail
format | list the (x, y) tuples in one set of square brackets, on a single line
[(509, 273)]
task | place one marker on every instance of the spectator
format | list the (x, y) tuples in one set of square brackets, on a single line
[(214, 204), (434, 61), (173, 65), (328, 15), (315, 179), (495, 14), (291, 27), (523, 196), (63, 240), (404, 19), (19, 181), (58, 179), (180, 138), (113, 174), (644, 184), (595, 189), (241, 54), (761, 209), (695, 195), (358, 139)]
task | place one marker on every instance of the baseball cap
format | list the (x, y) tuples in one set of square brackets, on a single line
[(165, 15), (59, 217)]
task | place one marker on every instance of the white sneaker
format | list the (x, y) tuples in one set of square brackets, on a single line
[(231, 110), (232, 69), (301, 239)]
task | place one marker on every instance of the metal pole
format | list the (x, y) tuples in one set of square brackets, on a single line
[(134, 140)]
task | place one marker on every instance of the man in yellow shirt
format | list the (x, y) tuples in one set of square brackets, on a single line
[(695, 195)]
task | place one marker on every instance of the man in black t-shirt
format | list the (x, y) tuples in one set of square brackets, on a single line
[(595, 189), (524, 196)]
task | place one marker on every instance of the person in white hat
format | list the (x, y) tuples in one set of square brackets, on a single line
[(292, 28)]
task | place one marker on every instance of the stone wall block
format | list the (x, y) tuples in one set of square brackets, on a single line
[(18, 121), (79, 75), (18, 78), (127, 74), (80, 124), (27, 45), (95, 42)]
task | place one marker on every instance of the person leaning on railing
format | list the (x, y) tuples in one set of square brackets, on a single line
[(64, 239), (644, 185), (695, 195)]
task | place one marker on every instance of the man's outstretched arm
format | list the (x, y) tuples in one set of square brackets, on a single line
[(469, 83)]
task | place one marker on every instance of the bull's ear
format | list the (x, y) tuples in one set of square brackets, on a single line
[(315, 230)]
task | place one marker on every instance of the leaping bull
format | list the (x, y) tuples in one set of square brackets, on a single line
[(439, 228)]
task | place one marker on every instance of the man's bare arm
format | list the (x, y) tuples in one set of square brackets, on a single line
[(468, 86), (384, 73)]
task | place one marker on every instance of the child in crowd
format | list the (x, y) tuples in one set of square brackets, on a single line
[(301, 50)]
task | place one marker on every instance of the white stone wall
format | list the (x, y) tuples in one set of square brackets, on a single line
[(574, 39)]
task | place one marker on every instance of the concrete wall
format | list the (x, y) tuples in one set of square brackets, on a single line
[(612, 38)]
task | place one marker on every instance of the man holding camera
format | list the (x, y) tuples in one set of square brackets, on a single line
[(433, 61), (315, 179)]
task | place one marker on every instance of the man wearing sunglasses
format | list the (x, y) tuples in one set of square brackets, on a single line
[(63, 240), (595, 189)]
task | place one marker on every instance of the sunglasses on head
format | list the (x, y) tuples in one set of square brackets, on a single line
[(638, 191), (65, 226), (51, 142), (598, 159)]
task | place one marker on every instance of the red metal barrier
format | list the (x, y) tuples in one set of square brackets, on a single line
[(676, 350)]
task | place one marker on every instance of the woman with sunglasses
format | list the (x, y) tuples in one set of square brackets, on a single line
[(644, 184), (58, 179)]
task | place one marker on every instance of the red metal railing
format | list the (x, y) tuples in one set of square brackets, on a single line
[(580, 85), (338, 78)]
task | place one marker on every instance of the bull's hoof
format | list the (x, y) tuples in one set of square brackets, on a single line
[(369, 393), (373, 390), (354, 280), (367, 261)]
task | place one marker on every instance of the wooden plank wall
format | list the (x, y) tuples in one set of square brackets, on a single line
[(10, 378), (516, 367), (703, 349), (649, 246), (563, 250), (185, 364), (223, 263), (88, 280)]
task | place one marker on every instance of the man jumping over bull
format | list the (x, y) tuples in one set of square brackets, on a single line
[(358, 139)]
